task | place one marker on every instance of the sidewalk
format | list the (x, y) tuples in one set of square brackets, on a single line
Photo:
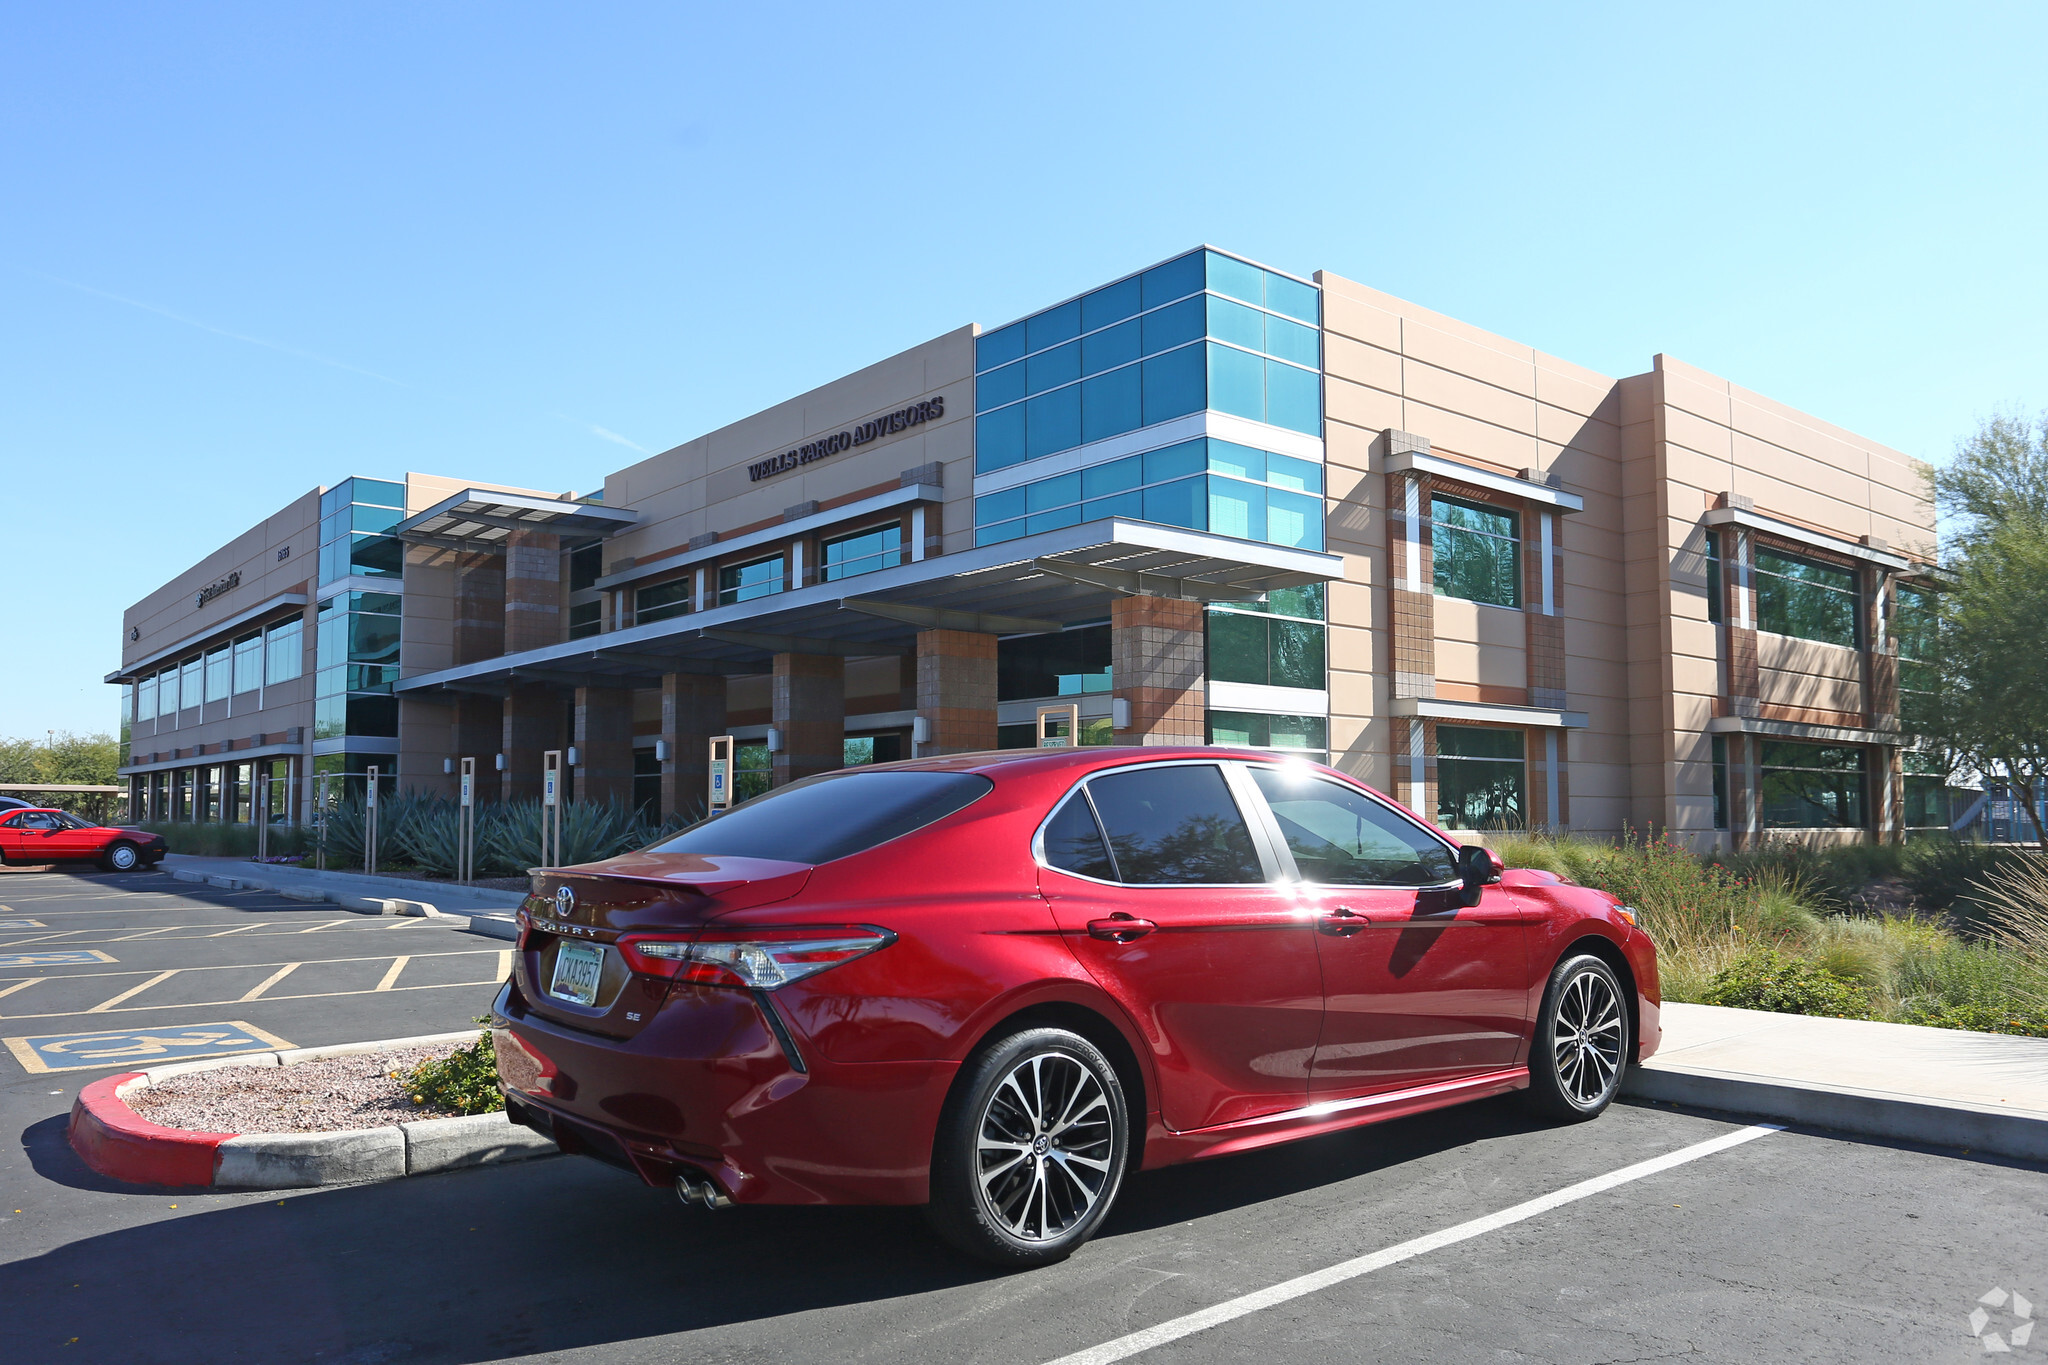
[(1986, 1092), (488, 912)]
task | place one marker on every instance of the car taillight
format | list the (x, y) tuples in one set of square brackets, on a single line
[(751, 959)]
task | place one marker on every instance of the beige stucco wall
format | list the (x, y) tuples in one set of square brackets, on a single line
[(703, 484)]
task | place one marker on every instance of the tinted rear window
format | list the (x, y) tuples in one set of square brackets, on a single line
[(833, 816)]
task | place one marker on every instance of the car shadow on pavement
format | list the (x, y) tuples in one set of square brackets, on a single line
[(558, 1255)]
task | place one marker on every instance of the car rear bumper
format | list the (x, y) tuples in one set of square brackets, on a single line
[(707, 1089)]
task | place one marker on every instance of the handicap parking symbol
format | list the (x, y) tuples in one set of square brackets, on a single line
[(140, 1048), (22, 924), (77, 957)]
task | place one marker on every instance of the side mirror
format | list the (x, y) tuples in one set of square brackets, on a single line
[(1477, 868)]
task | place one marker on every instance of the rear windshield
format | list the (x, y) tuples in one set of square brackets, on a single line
[(833, 816)]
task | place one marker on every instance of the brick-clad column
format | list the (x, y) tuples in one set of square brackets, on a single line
[(532, 724), (1415, 765), (1410, 575), (479, 626), (809, 696), (479, 730), (1544, 750), (1744, 820), (604, 744), (956, 691), (1890, 767), (1157, 660), (692, 712), (1881, 655), (533, 590)]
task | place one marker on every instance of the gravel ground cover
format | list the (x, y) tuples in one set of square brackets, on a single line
[(313, 1097)]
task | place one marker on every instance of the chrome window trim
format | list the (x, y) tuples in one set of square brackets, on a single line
[(1254, 825)]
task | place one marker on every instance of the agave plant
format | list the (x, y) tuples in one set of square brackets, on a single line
[(590, 830)]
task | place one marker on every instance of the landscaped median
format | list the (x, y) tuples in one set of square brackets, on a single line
[(116, 1141)]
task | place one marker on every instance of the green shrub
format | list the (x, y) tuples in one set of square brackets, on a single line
[(1947, 874), (1975, 1016), (466, 1080), (1765, 979)]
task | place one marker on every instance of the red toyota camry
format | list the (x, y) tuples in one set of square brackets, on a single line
[(995, 984), (36, 835)]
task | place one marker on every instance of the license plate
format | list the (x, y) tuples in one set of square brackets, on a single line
[(578, 966)]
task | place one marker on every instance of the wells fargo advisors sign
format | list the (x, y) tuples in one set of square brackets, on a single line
[(930, 410)]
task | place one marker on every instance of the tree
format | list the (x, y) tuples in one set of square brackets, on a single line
[(65, 759), (1987, 698)]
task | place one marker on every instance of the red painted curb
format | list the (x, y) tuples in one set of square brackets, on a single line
[(116, 1141)]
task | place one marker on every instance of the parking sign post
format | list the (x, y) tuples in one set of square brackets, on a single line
[(465, 829), (370, 824), (719, 796), (260, 808), (551, 808)]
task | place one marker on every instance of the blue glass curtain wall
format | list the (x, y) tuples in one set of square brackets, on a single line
[(1205, 484), (1133, 354)]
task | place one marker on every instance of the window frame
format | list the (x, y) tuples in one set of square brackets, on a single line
[(899, 549), (1235, 780), (780, 559), (1518, 541), (1854, 592), (1521, 764)]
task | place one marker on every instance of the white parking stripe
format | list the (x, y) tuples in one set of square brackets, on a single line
[(1123, 1348)]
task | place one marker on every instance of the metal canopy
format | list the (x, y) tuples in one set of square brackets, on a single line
[(1054, 578), (479, 519)]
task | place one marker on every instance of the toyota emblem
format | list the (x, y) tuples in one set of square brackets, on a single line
[(565, 902)]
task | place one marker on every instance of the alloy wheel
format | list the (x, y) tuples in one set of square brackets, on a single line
[(1044, 1146), (123, 858), (1586, 1041)]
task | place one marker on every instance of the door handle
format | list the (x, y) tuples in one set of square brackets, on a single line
[(1120, 928), (1343, 922)]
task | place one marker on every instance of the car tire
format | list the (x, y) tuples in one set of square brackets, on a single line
[(121, 858), (1581, 1048), (1023, 1169)]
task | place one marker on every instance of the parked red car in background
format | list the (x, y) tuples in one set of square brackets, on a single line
[(40, 835), (996, 984)]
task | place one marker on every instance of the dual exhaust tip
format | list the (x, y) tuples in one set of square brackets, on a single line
[(704, 1193)]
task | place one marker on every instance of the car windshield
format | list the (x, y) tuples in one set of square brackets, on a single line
[(66, 820), (833, 816)]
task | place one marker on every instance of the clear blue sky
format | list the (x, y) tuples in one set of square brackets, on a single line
[(246, 249)]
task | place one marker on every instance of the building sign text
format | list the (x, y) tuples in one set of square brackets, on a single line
[(901, 420)]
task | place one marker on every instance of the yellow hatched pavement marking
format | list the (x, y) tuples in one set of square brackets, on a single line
[(328, 925), (280, 974), (242, 930), (106, 1005), (391, 976), (504, 964), (43, 938), (145, 933)]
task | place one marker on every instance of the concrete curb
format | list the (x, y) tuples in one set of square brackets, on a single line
[(116, 1141), (488, 923), (1905, 1118)]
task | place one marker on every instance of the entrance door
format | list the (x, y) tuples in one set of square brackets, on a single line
[(1417, 987), (1156, 882)]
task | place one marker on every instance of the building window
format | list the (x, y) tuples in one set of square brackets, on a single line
[(1927, 793), (356, 658), (1477, 552), (744, 582), (145, 699), (356, 519), (284, 651), (1720, 744), (1916, 625), (1096, 730), (1813, 786), (1248, 493), (586, 618), (249, 663), (1308, 736), (663, 600), (1805, 598), (219, 674), (879, 547), (189, 683), (1131, 354), (647, 786), (753, 771), (1281, 643), (586, 566), (1066, 663), (1481, 778), (1716, 599), (861, 750)]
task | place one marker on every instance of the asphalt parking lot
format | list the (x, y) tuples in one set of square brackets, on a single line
[(1787, 1245)]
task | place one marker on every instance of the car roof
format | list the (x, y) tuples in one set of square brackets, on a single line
[(1087, 757)]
